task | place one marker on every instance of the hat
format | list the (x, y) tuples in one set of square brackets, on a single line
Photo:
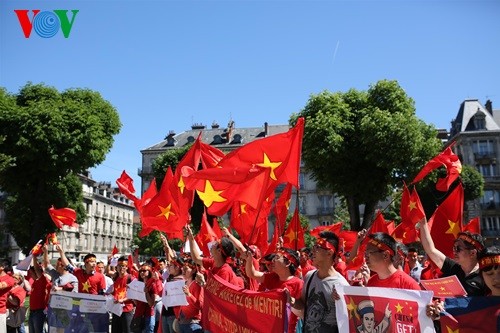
[(365, 307)]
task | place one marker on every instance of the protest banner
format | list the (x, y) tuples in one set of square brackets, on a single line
[(77, 312), (382, 310), (229, 309)]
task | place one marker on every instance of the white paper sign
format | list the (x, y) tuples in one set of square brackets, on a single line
[(135, 290), (187, 248), (113, 262), (91, 306), (173, 294), (25, 264), (61, 302), (111, 306)]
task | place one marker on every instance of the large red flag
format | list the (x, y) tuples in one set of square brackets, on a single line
[(126, 185), (293, 237), (63, 216), (411, 211), (379, 224), (161, 212), (219, 188), (450, 161), (473, 226), (446, 222), (280, 153), (281, 207)]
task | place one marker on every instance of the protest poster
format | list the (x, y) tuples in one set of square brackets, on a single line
[(444, 287), (77, 313), (383, 310), (173, 295), (229, 309)]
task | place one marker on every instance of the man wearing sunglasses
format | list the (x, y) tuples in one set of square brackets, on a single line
[(317, 294), (464, 263)]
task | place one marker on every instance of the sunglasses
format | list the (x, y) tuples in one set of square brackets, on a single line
[(458, 249)]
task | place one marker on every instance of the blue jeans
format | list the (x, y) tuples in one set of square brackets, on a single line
[(167, 323), (149, 324), (192, 327), (36, 320)]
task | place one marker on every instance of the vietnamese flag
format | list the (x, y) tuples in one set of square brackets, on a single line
[(219, 188), (37, 249), (280, 153), (274, 243), (63, 216), (450, 161), (379, 225), (114, 251), (149, 194), (161, 212), (205, 236), (245, 219), (293, 238), (446, 222), (473, 226), (126, 185), (280, 209)]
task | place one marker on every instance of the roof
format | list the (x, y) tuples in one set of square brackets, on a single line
[(471, 109), (217, 137)]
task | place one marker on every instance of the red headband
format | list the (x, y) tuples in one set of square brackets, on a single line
[(489, 261), (324, 244), (381, 246), (469, 239), (288, 256)]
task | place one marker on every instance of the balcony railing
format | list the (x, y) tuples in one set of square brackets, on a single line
[(324, 210)]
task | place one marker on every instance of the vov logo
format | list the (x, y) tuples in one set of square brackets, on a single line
[(47, 23)]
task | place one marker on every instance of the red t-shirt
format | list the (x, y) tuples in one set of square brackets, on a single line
[(120, 291), (341, 267), (306, 268), (40, 290), (89, 283), (16, 292), (399, 280), (5, 291), (195, 303), (294, 285), (225, 271)]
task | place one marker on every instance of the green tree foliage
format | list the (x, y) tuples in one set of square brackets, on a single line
[(51, 137), (363, 143)]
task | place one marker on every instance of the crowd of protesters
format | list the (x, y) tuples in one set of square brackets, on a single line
[(309, 277)]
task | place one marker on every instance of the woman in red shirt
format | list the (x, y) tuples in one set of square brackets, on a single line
[(189, 316), (146, 309)]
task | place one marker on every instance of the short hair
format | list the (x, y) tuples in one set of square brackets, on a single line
[(387, 240), (490, 251), (88, 256), (162, 260), (306, 251), (331, 238), (123, 258), (412, 249)]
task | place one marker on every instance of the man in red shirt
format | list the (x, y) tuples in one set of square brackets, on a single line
[(6, 283), (379, 255), (89, 280), (39, 298)]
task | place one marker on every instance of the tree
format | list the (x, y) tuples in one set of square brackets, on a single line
[(52, 137), (364, 143)]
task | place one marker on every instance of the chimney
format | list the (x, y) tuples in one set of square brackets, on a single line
[(215, 124), (197, 126), (266, 129), (489, 106)]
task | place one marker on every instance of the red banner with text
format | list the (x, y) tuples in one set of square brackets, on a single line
[(229, 309)]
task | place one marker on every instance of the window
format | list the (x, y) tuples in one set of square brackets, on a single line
[(487, 170), (302, 179), (483, 147), (302, 205), (490, 199)]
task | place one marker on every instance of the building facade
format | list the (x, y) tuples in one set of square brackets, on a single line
[(317, 205), (475, 133), (109, 222)]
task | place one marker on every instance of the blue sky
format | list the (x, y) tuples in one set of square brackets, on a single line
[(165, 65)]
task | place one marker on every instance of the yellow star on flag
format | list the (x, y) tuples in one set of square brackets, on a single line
[(454, 228), (243, 208), (165, 211), (352, 308), (291, 235), (209, 196), (287, 203), (399, 308), (268, 164), (451, 330), (122, 294), (86, 286), (412, 205), (442, 288), (181, 185)]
